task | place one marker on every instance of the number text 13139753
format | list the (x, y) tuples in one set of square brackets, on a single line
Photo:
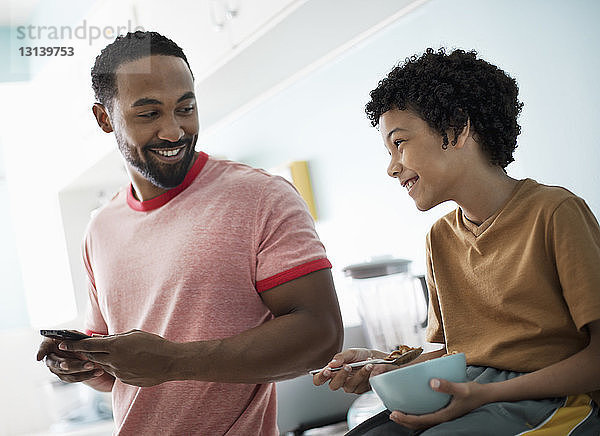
[(46, 51)]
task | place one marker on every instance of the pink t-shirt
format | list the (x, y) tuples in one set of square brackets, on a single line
[(189, 265)]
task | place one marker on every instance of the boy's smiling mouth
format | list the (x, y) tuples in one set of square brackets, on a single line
[(409, 183)]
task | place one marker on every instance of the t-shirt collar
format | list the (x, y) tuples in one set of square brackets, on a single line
[(477, 230), (164, 198)]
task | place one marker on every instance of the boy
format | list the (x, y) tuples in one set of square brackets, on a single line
[(513, 272)]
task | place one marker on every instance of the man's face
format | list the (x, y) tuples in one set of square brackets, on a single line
[(417, 159), (155, 120)]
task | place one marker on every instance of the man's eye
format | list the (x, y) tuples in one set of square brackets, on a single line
[(397, 142), (187, 110), (148, 114)]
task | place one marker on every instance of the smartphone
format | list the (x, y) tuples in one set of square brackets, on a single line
[(71, 335)]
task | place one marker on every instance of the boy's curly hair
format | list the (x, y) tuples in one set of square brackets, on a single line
[(446, 90)]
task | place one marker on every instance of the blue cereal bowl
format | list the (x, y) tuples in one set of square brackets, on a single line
[(407, 389)]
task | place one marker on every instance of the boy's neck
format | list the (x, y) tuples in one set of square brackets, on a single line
[(486, 194)]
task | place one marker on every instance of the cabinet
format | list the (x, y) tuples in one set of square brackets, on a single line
[(204, 29)]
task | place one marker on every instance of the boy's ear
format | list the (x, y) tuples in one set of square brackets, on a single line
[(462, 136), (102, 117)]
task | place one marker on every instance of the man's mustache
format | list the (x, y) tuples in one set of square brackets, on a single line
[(160, 145)]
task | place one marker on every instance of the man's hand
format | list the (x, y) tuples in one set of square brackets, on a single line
[(465, 397), (69, 367), (136, 357), (356, 381)]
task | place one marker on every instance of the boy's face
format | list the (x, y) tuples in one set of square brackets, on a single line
[(155, 119), (417, 158)]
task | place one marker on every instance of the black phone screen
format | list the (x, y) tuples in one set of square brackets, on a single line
[(64, 334)]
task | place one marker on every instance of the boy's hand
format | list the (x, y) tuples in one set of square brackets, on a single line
[(465, 397), (354, 381)]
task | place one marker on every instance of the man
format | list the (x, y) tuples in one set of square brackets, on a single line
[(207, 280)]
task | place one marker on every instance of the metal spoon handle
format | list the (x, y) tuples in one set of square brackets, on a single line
[(400, 360), (353, 365)]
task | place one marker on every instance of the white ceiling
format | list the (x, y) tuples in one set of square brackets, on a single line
[(16, 12), (308, 37)]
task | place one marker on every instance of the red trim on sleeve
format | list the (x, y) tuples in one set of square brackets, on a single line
[(92, 333), (291, 274), (162, 199)]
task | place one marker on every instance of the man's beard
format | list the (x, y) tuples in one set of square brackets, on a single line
[(160, 174)]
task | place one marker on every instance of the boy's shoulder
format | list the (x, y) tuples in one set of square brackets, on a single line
[(543, 201), (529, 197), (549, 195)]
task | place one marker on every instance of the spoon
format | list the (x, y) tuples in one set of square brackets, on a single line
[(409, 356)]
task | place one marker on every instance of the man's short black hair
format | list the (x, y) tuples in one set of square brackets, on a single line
[(446, 90), (126, 48)]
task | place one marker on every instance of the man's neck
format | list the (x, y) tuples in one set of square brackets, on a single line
[(143, 189)]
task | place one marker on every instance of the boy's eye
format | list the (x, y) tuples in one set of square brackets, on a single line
[(397, 142)]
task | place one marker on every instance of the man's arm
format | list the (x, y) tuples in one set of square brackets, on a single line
[(102, 383), (575, 375), (306, 332)]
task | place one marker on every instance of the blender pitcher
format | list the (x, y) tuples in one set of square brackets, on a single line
[(392, 303)]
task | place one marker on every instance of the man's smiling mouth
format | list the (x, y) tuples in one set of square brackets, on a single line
[(168, 153)]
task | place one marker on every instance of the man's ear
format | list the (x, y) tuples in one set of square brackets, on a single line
[(102, 117)]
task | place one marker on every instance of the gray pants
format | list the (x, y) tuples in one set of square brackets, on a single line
[(504, 418)]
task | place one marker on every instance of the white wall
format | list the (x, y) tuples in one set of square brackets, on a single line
[(13, 311), (550, 47), (26, 396), (52, 111)]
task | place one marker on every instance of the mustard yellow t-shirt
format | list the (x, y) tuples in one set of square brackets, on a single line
[(516, 291)]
